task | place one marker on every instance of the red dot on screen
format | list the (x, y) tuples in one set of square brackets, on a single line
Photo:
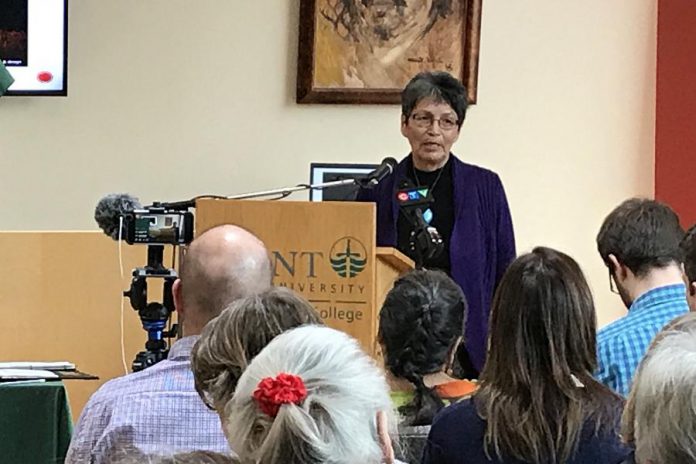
[(44, 76)]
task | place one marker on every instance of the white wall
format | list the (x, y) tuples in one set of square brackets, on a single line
[(172, 98)]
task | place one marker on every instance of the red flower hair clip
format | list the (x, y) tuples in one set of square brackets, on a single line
[(271, 392)]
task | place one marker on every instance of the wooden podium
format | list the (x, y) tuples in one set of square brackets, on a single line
[(324, 251)]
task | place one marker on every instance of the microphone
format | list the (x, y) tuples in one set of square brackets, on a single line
[(385, 168), (425, 240), (110, 209)]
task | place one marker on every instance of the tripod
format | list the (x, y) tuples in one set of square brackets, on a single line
[(153, 315)]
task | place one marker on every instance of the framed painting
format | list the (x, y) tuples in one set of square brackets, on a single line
[(366, 51)]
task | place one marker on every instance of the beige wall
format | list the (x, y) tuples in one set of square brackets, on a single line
[(171, 98)]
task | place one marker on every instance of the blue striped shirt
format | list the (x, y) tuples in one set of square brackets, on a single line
[(622, 344)]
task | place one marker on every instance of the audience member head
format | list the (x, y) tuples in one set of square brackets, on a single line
[(660, 415), (420, 325), (688, 248), (221, 265), (686, 323), (541, 360), (311, 396), (230, 341), (135, 456), (639, 243), (433, 107)]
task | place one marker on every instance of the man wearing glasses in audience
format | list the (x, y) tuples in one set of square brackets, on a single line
[(639, 243)]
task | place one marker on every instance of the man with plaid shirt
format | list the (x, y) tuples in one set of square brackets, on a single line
[(639, 243)]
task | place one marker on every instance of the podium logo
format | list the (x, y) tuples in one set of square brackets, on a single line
[(348, 257)]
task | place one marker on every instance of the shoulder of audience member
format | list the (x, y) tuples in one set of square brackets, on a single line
[(456, 414), (115, 388), (611, 330)]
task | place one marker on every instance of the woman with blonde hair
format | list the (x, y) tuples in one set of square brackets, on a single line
[(538, 401), (230, 341)]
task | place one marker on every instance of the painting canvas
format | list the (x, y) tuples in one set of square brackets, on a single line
[(365, 51)]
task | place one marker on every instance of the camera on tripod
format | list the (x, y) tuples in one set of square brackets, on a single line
[(155, 226)]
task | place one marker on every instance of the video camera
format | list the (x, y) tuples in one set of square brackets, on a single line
[(122, 216)]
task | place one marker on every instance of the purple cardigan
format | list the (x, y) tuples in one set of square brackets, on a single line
[(482, 243)]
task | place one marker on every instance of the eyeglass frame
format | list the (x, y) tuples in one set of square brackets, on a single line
[(431, 119), (612, 283)]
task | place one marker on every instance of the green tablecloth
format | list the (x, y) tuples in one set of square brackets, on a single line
[(35, 423)]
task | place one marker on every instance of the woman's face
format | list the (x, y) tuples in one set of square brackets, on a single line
[(431, 129)]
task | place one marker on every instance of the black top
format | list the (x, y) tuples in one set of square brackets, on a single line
[(440, 184), (457, 436)]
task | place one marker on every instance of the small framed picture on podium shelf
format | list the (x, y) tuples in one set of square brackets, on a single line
[(329, 172)]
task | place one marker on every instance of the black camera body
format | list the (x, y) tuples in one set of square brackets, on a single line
[(156, 225)]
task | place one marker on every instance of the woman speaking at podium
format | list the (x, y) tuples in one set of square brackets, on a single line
[(468, 206)]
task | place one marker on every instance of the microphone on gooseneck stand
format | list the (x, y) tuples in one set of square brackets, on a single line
[(385, 168), (110, 209)]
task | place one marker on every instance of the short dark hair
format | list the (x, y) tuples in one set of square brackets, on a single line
[(688, 248), (419, 323), (442, 87), (643, 234)]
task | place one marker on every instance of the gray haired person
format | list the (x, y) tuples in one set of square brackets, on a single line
[(660, 416), (311, 396)]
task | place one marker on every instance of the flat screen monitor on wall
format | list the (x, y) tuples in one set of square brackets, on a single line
[(329, 172), (34, 45)]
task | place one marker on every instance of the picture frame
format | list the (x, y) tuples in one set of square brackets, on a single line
[(34, 46), (320, 173), (354, 52)]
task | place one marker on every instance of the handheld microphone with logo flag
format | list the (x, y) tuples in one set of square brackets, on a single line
[(413, 197), (425, 241)]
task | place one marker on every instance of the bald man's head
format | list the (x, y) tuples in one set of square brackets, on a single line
[(220, 266)]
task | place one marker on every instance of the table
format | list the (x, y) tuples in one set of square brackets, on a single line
[(35, 422)]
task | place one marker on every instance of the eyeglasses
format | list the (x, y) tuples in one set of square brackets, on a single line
[(612, 283), (424, 121)]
